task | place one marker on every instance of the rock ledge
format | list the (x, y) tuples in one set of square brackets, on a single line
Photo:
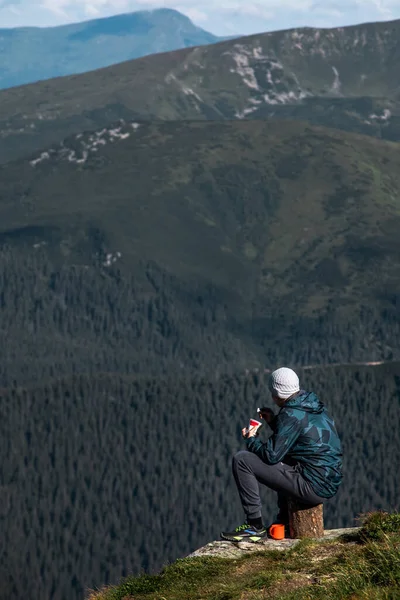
[(235, 549)]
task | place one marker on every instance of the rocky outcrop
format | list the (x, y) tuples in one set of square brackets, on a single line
[(225, 549)]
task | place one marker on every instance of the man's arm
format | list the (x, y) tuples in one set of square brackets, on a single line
[(287, 429), (273, 423)]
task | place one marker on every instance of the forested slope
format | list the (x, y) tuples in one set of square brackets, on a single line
[(198, 245), (105, 475)]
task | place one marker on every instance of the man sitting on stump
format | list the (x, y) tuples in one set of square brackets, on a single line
[(301, 460)]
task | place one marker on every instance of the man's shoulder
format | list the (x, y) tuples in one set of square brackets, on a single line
[(289, 413)]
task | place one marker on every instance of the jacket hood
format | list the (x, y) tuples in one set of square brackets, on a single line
[(307, 401)]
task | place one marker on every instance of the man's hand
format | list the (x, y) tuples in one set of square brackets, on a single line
[(267, 414), (250, 432)]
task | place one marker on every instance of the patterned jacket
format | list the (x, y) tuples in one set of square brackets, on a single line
[(305, 434)]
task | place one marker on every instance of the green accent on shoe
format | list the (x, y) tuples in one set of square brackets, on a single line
[(242, 527)]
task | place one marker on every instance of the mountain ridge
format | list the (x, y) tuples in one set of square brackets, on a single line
[(30, 54), (321, 76)]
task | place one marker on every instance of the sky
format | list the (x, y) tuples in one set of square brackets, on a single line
[(221, 17)]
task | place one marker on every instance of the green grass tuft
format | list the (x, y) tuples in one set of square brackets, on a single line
[(376, 524)]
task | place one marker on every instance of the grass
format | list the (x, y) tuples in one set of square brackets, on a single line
[(365, 565)]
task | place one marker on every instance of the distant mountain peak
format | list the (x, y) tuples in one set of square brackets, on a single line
[(172, 12), (85, 46)]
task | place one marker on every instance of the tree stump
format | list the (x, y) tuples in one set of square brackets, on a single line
[(305, 521)]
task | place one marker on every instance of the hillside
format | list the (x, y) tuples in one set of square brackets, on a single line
[(245, 206), (31, 54), (346, 78), (362, 564), (252, 231), (106, 475)]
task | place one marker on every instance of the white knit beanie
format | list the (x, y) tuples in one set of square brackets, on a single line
[(284, 382)]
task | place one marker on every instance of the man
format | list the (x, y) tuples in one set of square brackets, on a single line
[(302, 459)]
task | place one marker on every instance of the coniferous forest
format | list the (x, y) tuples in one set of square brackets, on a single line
[(122, 405)]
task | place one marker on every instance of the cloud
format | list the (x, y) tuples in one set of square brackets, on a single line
[(68, 8), (196, 15)]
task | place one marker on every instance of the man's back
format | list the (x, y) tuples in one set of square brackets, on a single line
[(317, 447), (305, 434)]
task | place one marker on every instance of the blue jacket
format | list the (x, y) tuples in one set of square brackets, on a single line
[(304, 432)]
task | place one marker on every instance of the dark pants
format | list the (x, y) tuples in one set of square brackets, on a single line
[(249, 471)]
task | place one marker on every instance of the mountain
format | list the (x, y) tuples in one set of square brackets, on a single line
[(31, 54), (161, 247), (345, 78), (215, 200), (266, 230)]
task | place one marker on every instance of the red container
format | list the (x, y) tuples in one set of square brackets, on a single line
[(277, 531)]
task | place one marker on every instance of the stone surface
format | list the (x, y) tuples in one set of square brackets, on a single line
[(226, 549)]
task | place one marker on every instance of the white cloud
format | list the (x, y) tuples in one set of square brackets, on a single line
[(71, 7), (383, 7), (54, 7), (196, 15), (224, 17)]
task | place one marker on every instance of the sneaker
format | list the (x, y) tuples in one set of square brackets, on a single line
[(246, 533)]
